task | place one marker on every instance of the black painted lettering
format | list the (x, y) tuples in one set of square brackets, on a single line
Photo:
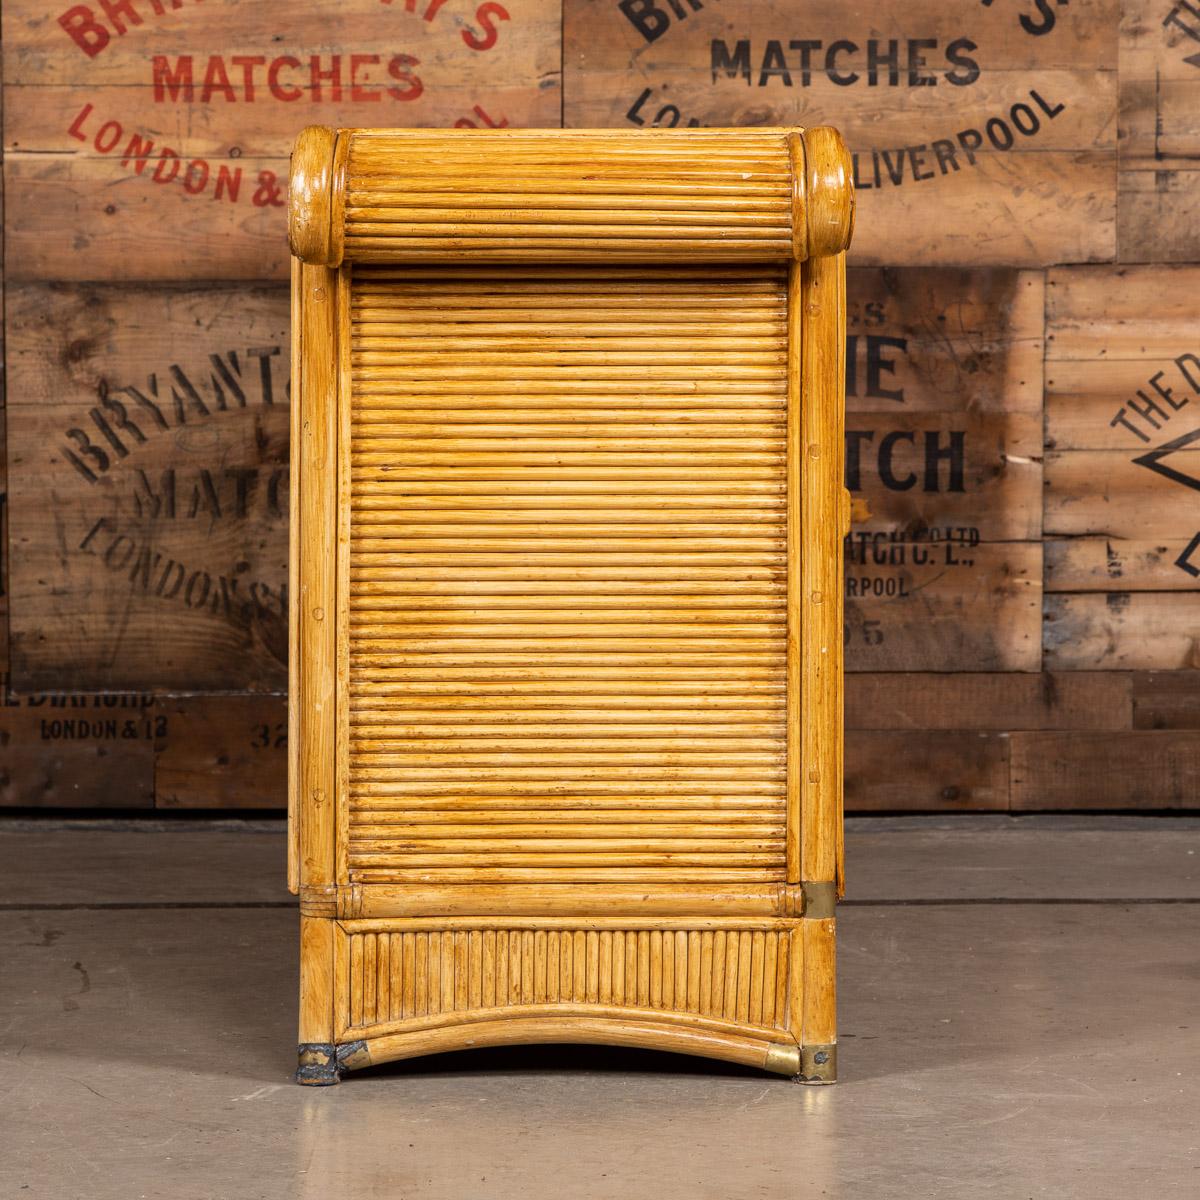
[(954, 454)]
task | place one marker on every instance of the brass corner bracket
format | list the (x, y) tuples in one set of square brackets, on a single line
[(820, 899)]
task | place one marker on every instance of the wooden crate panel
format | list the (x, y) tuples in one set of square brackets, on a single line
[(138, 750), (148, 487), (222, 752), (948, 605), (1122, 463), (1107, 564), (923, 771), (1166, 700), (1159, 184), (1084, 771), (993, 701), (944, 340), (150, 141), (78, 751), (967, 115), (944, 402), (1117, 631)]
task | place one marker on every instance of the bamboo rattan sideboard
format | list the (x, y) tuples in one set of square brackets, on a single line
[(566, 658)]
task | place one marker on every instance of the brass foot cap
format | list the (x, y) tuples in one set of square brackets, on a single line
[(818, 1064)]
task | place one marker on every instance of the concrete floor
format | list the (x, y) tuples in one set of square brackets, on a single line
[(1020, 1013)]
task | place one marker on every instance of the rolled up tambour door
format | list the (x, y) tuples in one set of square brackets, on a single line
[(500, 196)]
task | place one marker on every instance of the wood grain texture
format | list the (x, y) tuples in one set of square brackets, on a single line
[(152, 142), (1122, 469), (947, 771), (148, 482), (136, 750), (569, 581), (1159, 185), (1034, 97), (1104, 771)]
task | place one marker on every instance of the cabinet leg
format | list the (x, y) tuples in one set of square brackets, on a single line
[(318, 1064), (818, 1064), (318, 1055)]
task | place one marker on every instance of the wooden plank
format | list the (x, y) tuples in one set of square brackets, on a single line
[(1085, 771), (138, 750), (222, 752), (150, 141), (923, 771), (1159, 184), (944, 465), (1166, 700), (148, 487), (948, 605), (1105, 564), (1122, 462), (1121, 631), (77, 751), (998, 111), (4, 583), (994, 701)]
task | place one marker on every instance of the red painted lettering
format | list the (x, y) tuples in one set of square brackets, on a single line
[(248, 62), (400, 69), (175, 83), (217, 80), (484, 14), (278, 90), (334, 75), (359, 92), (85, 31)]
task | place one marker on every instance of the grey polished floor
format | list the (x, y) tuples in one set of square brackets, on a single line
[(1020, 1015)]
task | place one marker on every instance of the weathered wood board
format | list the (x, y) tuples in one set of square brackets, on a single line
[(136, 750), (1121, 631), (943, 462), (1000, 119), (148, 487), (941, 771), (1166, 700), (222, 752), (998, 701), (1159, 182), (1085, 771), (146, 140), (944, 606), (1122, 468)]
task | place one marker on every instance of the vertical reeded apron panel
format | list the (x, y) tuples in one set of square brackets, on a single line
[(568, 574)]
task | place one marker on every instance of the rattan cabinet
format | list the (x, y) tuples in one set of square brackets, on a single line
[(566, 657)]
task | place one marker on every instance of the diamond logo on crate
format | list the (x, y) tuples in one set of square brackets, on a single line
[(161, 132), (1122, 468)]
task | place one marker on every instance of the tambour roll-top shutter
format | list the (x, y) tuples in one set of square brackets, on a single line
[(568, 574), (568, 478)]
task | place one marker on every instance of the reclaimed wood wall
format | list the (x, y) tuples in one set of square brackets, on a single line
[(1023, 625)]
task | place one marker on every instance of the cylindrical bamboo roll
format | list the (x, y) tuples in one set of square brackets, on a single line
[(555, 196)]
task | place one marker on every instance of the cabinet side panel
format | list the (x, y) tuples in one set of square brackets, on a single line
[(318, 445)]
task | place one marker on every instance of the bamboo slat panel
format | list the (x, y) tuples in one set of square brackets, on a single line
[(547, 195), (529, 702), (417, 976)]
